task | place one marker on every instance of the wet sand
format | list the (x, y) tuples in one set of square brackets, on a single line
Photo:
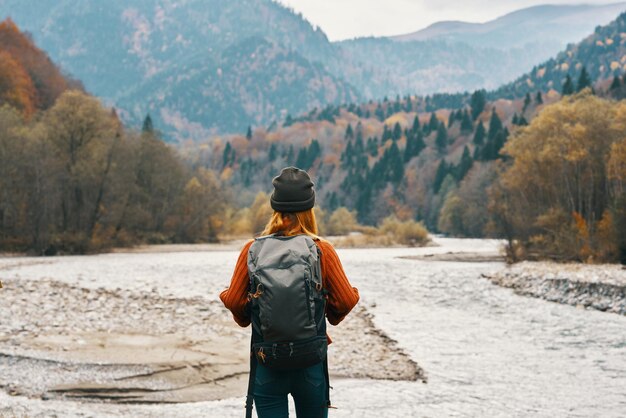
[(61, 341)]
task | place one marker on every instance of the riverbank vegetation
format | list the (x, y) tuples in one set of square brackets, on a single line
[(563, 194), (546, 171), (74, 180)]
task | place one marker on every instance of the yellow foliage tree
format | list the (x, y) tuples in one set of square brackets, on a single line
[(557, 182)]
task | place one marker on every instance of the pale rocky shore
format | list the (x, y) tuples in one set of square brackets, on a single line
[(601, 287), (64, 342)]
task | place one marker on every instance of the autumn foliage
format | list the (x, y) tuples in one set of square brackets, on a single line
[(29, 80), (563, 195), (76, 181)]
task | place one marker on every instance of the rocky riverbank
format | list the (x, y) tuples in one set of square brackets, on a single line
[(62, 341), (601, 287)]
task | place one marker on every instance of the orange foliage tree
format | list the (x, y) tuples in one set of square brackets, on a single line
[(46, 77), (16, 86)]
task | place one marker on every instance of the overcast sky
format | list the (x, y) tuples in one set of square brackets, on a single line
[(344, 19)]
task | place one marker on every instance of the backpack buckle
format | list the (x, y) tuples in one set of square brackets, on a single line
[(318, 287), (261, 355), (257, 294)]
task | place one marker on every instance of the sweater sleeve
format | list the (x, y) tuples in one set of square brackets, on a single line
[(342, 297), (235, 298)]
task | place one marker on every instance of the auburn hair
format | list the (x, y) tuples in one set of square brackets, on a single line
[(299, 223)]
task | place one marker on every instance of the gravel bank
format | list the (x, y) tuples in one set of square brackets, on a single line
[(601, 287), (68, 342)]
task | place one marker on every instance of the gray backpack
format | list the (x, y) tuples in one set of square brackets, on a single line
[(287, 302), (287, 307)]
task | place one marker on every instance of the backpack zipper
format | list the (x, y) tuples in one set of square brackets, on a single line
[(307, 287)]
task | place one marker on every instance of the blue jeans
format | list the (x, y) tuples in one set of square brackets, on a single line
[(307, 387)]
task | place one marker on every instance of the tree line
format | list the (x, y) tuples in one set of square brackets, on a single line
[(74, 180)]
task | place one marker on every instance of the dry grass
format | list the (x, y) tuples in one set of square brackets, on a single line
[(391, 233)]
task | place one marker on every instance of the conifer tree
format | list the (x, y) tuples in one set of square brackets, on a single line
[(433, 124), (372, 146), (397, 132), (349, 132), (226, 157), (488, 152), (379, 113), (409, 104), (148, 126), (466, 122), (396, 105), (527, 102), (387, 135), (249, 133), (358, 146), (301, 160), (478, 102), (347, 155), (538, 98), (495, 125), (616, 84), (451, 119), (414, 145), (359, 131), (479, 136), (583, 80), (395, 164), (568, 86), (271, 155), (441, 141), (498, 143), (464, 165), (442, 172), (522, 121), (416, 125)]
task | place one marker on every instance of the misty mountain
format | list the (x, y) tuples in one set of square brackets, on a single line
[(144, 53), (602, 54), (251, 82), (436, 66), (556, 24), (457, 56), (202, 67)]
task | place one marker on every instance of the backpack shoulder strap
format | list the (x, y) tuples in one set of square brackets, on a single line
[(251, 381)]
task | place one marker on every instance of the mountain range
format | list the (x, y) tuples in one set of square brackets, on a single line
[(554, 23), (206, 67), (602, 55)]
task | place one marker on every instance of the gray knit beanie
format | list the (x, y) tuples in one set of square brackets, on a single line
[(293, 191)]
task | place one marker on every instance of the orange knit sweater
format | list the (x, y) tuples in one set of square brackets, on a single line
[(342, 297)]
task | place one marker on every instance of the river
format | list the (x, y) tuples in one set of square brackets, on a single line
[(486, 351)]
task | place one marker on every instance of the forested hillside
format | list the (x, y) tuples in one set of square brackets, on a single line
[(445, 160), (73, 179), (212, 67), (254, 59), (602, 54), (29, 80), (378, 159)]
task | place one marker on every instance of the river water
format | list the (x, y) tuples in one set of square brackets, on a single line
[(487, 352)]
